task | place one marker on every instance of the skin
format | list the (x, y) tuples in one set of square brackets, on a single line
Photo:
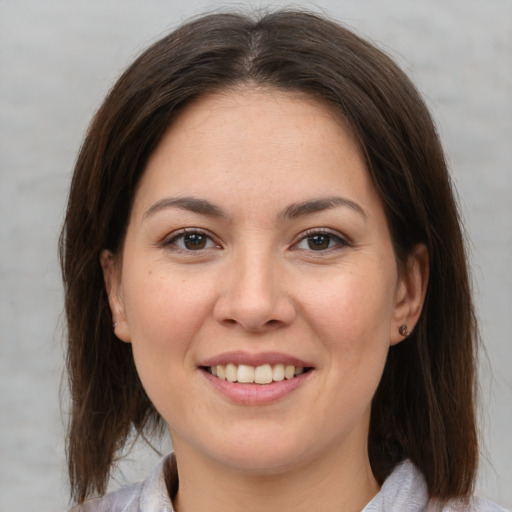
[(258, 284)]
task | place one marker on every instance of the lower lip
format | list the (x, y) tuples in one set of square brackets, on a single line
[(256, 394)]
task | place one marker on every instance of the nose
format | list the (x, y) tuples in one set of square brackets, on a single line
[(254, 294)]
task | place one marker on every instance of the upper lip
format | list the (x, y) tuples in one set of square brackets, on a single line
[(258, 359)]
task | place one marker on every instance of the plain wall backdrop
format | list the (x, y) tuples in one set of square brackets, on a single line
[(58, 59)]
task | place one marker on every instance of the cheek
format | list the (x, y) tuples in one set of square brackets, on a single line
[(353, 308), (164, 312), (351, 318)]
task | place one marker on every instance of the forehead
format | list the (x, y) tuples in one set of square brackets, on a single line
[(254, 141)]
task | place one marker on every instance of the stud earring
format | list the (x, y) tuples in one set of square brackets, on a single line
[(114, 325), (403, 330)]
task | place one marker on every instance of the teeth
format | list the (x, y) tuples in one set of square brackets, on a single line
[(231, 372), (245, 373), (278, 372), (289, 372), (264, 374)]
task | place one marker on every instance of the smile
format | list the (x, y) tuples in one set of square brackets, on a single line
[(262, 374)]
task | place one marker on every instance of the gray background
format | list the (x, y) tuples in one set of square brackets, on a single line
[(58, 58)]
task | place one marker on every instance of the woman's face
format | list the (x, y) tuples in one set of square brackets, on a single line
[(258, 249)]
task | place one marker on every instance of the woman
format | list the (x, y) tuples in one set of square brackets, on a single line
[(262, 250)]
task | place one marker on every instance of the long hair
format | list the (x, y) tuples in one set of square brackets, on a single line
[(424, 407)]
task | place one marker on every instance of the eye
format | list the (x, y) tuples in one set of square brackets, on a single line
[(320, 241), (191, 240)]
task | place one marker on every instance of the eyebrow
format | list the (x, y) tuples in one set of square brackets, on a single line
[(317, 205), (201, 206), (293, 211)]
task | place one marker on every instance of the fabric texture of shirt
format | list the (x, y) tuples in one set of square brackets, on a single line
[(404, 490)]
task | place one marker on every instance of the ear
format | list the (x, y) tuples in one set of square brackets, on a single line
[(111, 276), (410, 294)]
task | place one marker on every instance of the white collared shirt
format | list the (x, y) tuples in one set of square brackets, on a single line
[(404, 490)]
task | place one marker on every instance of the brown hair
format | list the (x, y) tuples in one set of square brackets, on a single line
[(424, 407)]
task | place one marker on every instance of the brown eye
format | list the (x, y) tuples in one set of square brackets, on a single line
[(191, 241), (194, 241), (319, 242)]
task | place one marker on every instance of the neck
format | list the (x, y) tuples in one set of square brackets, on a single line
[(332, 483)]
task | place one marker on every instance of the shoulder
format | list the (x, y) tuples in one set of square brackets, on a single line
[(151, 495), (475, 504), (126, 499), (405, 490)]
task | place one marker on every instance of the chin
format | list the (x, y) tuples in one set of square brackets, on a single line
[(261, 462), (264, 454)]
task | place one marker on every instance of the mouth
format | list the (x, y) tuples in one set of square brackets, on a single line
[(261, 374)]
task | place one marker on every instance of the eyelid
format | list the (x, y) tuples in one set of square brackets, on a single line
[(345, 241), (169, 239)]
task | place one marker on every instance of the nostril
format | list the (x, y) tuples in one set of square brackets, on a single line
[(253, 327), (254, 312)]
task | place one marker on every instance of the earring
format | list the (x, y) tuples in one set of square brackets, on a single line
[(114, 325), (403, 330)]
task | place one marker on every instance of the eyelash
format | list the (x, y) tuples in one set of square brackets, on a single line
[(315, 232), (305, 237), (181, 234)]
